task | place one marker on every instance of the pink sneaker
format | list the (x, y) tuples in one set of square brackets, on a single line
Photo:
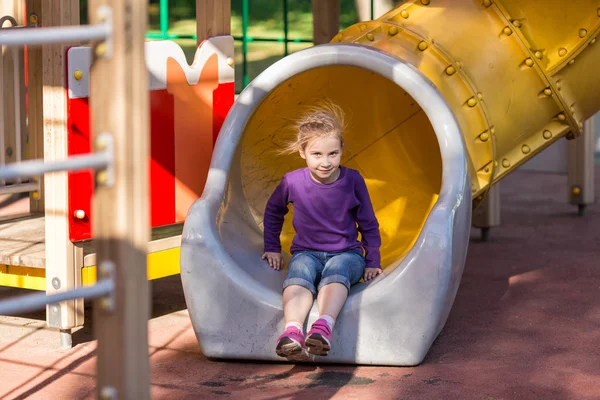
[(318, 340), (290, 345)]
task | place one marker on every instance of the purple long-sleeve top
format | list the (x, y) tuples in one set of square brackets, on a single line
[(327, 217)]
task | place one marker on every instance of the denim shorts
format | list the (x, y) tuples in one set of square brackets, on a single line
[(312, 268)]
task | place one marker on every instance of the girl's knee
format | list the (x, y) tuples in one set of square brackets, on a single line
[(348, 265)]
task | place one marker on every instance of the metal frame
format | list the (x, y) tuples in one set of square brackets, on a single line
[(20, 35)]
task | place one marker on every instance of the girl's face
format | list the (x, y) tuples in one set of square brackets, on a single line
[(323, 159)]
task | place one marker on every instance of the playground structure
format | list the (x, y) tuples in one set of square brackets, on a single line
[(51, 250), (95, 99), (464, 107), (446, 98)]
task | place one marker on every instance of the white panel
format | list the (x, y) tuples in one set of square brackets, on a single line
[(157, 53)]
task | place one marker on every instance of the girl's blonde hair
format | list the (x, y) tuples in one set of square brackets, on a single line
[(325, 119)]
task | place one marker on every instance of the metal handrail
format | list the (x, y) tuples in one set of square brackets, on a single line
[(33, 302), (28, 169), (20, 36)]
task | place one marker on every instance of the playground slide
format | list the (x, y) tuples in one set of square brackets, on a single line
[(445, 97)]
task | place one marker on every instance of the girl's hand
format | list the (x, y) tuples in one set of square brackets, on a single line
[(275, 260), (371, 273)]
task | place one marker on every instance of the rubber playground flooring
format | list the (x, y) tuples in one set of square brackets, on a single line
[(525, 325)]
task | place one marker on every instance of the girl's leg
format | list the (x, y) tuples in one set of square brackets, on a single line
[(298, 297), (331, 299), (340, 272), (297, 301)]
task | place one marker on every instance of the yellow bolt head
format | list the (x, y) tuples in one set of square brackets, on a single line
[(538, 54), (404, 14), (572, 62), (484, 137), (487, 3), (562, 52), (576, 191), (78, 75), (516, 23), (102, 177), (507, 31), (562, 117), (472, 102), (35, 195), (529, 62), (101, 49), (525, 149), (548, 92), (370, 37), (450, 70), (425, 2), (33, 19), (593, 41), (547, 135), (505, 163), (582, 33), (480, 96), (393, 31), (423, 45)]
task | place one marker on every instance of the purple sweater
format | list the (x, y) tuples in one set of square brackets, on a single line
[(325, 215)]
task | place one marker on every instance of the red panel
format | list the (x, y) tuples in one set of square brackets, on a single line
[(162, 162), (80, 183), (223, 98)]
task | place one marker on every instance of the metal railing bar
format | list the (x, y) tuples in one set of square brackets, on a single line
[(154, 35), (33, 302), (28, 169), (285, 28), (19, 36), (20, 188)]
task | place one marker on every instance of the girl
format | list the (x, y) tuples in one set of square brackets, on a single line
[(329, 202)]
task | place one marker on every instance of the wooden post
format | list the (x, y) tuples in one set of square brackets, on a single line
[(35, 112), (119, 107), (13, 76), (213, 18), (60, 265), (326, 20)]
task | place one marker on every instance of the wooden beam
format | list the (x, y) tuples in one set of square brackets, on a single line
[(60, 266), (11, 75), (119, 107), (35, 111), (326, 20), (213, 18)]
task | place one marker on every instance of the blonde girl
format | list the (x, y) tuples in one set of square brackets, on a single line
[(331, 205)]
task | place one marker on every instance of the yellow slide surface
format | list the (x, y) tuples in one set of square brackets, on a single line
[(518, 75)]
